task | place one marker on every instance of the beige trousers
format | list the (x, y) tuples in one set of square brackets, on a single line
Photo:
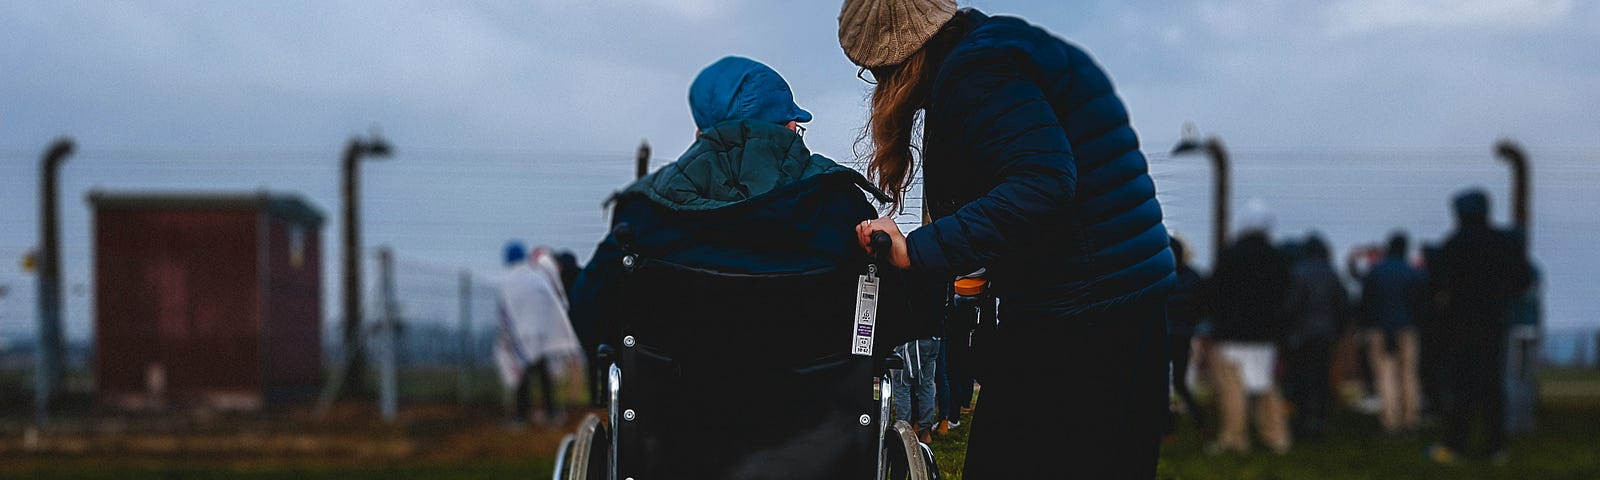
[(1395, 375), (1233, 404)]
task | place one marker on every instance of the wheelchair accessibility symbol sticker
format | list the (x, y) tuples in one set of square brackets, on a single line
[(866, 314)]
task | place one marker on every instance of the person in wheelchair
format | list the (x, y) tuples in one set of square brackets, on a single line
[(726, 302)]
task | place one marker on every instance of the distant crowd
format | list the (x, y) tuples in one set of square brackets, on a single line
[(1428, 332)]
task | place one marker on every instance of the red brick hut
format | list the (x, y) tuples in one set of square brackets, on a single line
[(208, 300)]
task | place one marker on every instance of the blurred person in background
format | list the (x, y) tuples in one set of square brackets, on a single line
[(921, 390), (534, 338), (914, 387), (1184, 311), (968, 319), (1246, 294), (1392, 299), (1318, 310), (1032, 171), (1358, 262), (567, 263), (1432, 340), (1480, 271), (946, 415), (1526, 320)]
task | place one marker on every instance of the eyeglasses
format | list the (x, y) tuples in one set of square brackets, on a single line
[(867, 76), (800, 130)]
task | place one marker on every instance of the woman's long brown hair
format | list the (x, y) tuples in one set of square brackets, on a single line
[(901, 92)]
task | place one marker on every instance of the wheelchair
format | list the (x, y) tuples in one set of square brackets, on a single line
[(733, 375)]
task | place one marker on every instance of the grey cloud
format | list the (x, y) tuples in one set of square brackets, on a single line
[(569, 87)]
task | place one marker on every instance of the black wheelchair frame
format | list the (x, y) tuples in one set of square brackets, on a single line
[(611, 449)]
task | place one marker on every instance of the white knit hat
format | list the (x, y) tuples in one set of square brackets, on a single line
[(880, 33)]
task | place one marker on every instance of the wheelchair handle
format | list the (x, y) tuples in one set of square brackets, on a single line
[(881, 244)]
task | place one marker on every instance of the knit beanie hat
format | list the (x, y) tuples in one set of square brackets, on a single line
[(880, 33)]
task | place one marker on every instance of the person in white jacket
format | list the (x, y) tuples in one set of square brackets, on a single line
[(535, 337)]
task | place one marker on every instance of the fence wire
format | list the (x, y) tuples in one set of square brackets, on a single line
[(447, 209)]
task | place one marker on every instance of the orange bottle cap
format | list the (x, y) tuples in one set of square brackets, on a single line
[(970, 286)]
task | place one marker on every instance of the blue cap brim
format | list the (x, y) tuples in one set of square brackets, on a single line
[(801, 115)]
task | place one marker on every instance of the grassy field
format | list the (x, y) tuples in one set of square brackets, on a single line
[(527, 468), (446, 443), (1563, 448), (1566, 445)]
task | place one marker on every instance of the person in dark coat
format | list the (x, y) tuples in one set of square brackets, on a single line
[(1318, 311), (1431, 338), (568, 263), (1247, 292), (1030, 170), (1184, 311), (1480, 271), (1393, 296)]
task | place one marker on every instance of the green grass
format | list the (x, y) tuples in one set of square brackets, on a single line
[(951, 450), (164, 470), (1564, 447)]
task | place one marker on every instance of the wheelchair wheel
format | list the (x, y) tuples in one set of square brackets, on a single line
[(587, 457), (905, 454), (563, 453), (928, 460)]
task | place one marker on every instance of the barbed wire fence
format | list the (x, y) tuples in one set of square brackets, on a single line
[(438, 321), (1354, 196)]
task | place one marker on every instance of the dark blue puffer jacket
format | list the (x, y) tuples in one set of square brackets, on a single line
[(1033, 171)]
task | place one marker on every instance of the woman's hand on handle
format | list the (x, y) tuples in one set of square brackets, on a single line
[(897, 252)]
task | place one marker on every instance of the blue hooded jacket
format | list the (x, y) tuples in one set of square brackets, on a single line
[(1033, 171)]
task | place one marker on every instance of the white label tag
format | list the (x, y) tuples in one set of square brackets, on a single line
[(866, 315)]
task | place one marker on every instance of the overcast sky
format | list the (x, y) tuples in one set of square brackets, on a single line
[(513, 119)]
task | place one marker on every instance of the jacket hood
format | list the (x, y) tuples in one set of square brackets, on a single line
[(735, 161)]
